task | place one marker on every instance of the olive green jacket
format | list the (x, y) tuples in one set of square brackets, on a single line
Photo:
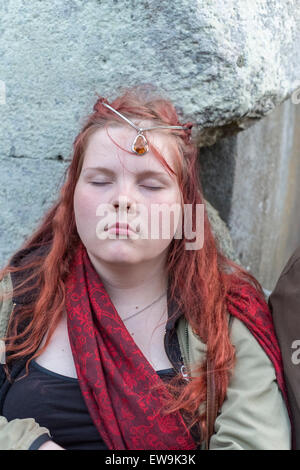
[(252, 417)]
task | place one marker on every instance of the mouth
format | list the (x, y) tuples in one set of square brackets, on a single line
[(120, 228)]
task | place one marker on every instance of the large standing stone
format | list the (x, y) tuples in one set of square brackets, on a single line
[(253, 179)]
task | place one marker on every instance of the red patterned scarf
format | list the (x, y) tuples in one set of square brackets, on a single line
[(114, 376)]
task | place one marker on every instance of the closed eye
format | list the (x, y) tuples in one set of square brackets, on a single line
[(152, 188)]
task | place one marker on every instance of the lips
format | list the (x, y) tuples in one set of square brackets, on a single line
[(120, 226)]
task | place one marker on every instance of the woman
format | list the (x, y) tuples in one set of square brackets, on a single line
[(123, 340)]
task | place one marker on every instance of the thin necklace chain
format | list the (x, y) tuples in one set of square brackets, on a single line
[(140, 311)]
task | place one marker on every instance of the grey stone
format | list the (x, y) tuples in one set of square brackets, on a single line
[(253, 180), (225, 64), (28, 187), (221, 233)]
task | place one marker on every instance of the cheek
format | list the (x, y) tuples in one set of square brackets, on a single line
[(85, 206), (169, 197), (164, 216)]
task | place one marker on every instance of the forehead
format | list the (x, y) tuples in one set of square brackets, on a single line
[(101, 149)]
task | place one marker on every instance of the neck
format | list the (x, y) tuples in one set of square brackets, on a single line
[(132, 286)]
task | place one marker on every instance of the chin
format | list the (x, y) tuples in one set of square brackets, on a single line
[(118, 253)]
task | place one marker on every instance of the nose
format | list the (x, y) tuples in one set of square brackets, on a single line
[(122, 202), (123, 199)]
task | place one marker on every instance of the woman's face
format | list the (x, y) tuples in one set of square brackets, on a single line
[(126, 188)]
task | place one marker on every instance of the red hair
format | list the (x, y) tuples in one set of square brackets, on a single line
[(200, 291)]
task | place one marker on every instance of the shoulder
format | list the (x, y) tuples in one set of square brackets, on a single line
[(286, 294), (248, 304), (284, 301), (253, 415), (249, 353), (293, 264)]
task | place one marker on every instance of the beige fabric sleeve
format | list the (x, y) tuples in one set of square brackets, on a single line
[(19, 434), (253, 415)]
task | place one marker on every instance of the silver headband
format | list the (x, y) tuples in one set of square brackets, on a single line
[(140, 145)]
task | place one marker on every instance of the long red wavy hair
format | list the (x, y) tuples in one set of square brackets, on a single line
[(200, 291)]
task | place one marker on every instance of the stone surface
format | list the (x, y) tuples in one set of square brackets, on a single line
[(253, 180), (28, 187), (225, 64), (221, 232)]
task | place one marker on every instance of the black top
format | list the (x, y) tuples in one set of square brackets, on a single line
[(55, 402)]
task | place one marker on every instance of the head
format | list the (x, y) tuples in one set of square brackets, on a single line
[(126, 187), (115, 185)]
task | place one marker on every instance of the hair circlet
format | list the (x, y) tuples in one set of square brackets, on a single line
[(140, 145)]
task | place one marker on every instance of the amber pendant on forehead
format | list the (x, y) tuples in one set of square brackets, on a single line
[(140, 145)]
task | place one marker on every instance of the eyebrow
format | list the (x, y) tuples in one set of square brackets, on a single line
[(101, 169)]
